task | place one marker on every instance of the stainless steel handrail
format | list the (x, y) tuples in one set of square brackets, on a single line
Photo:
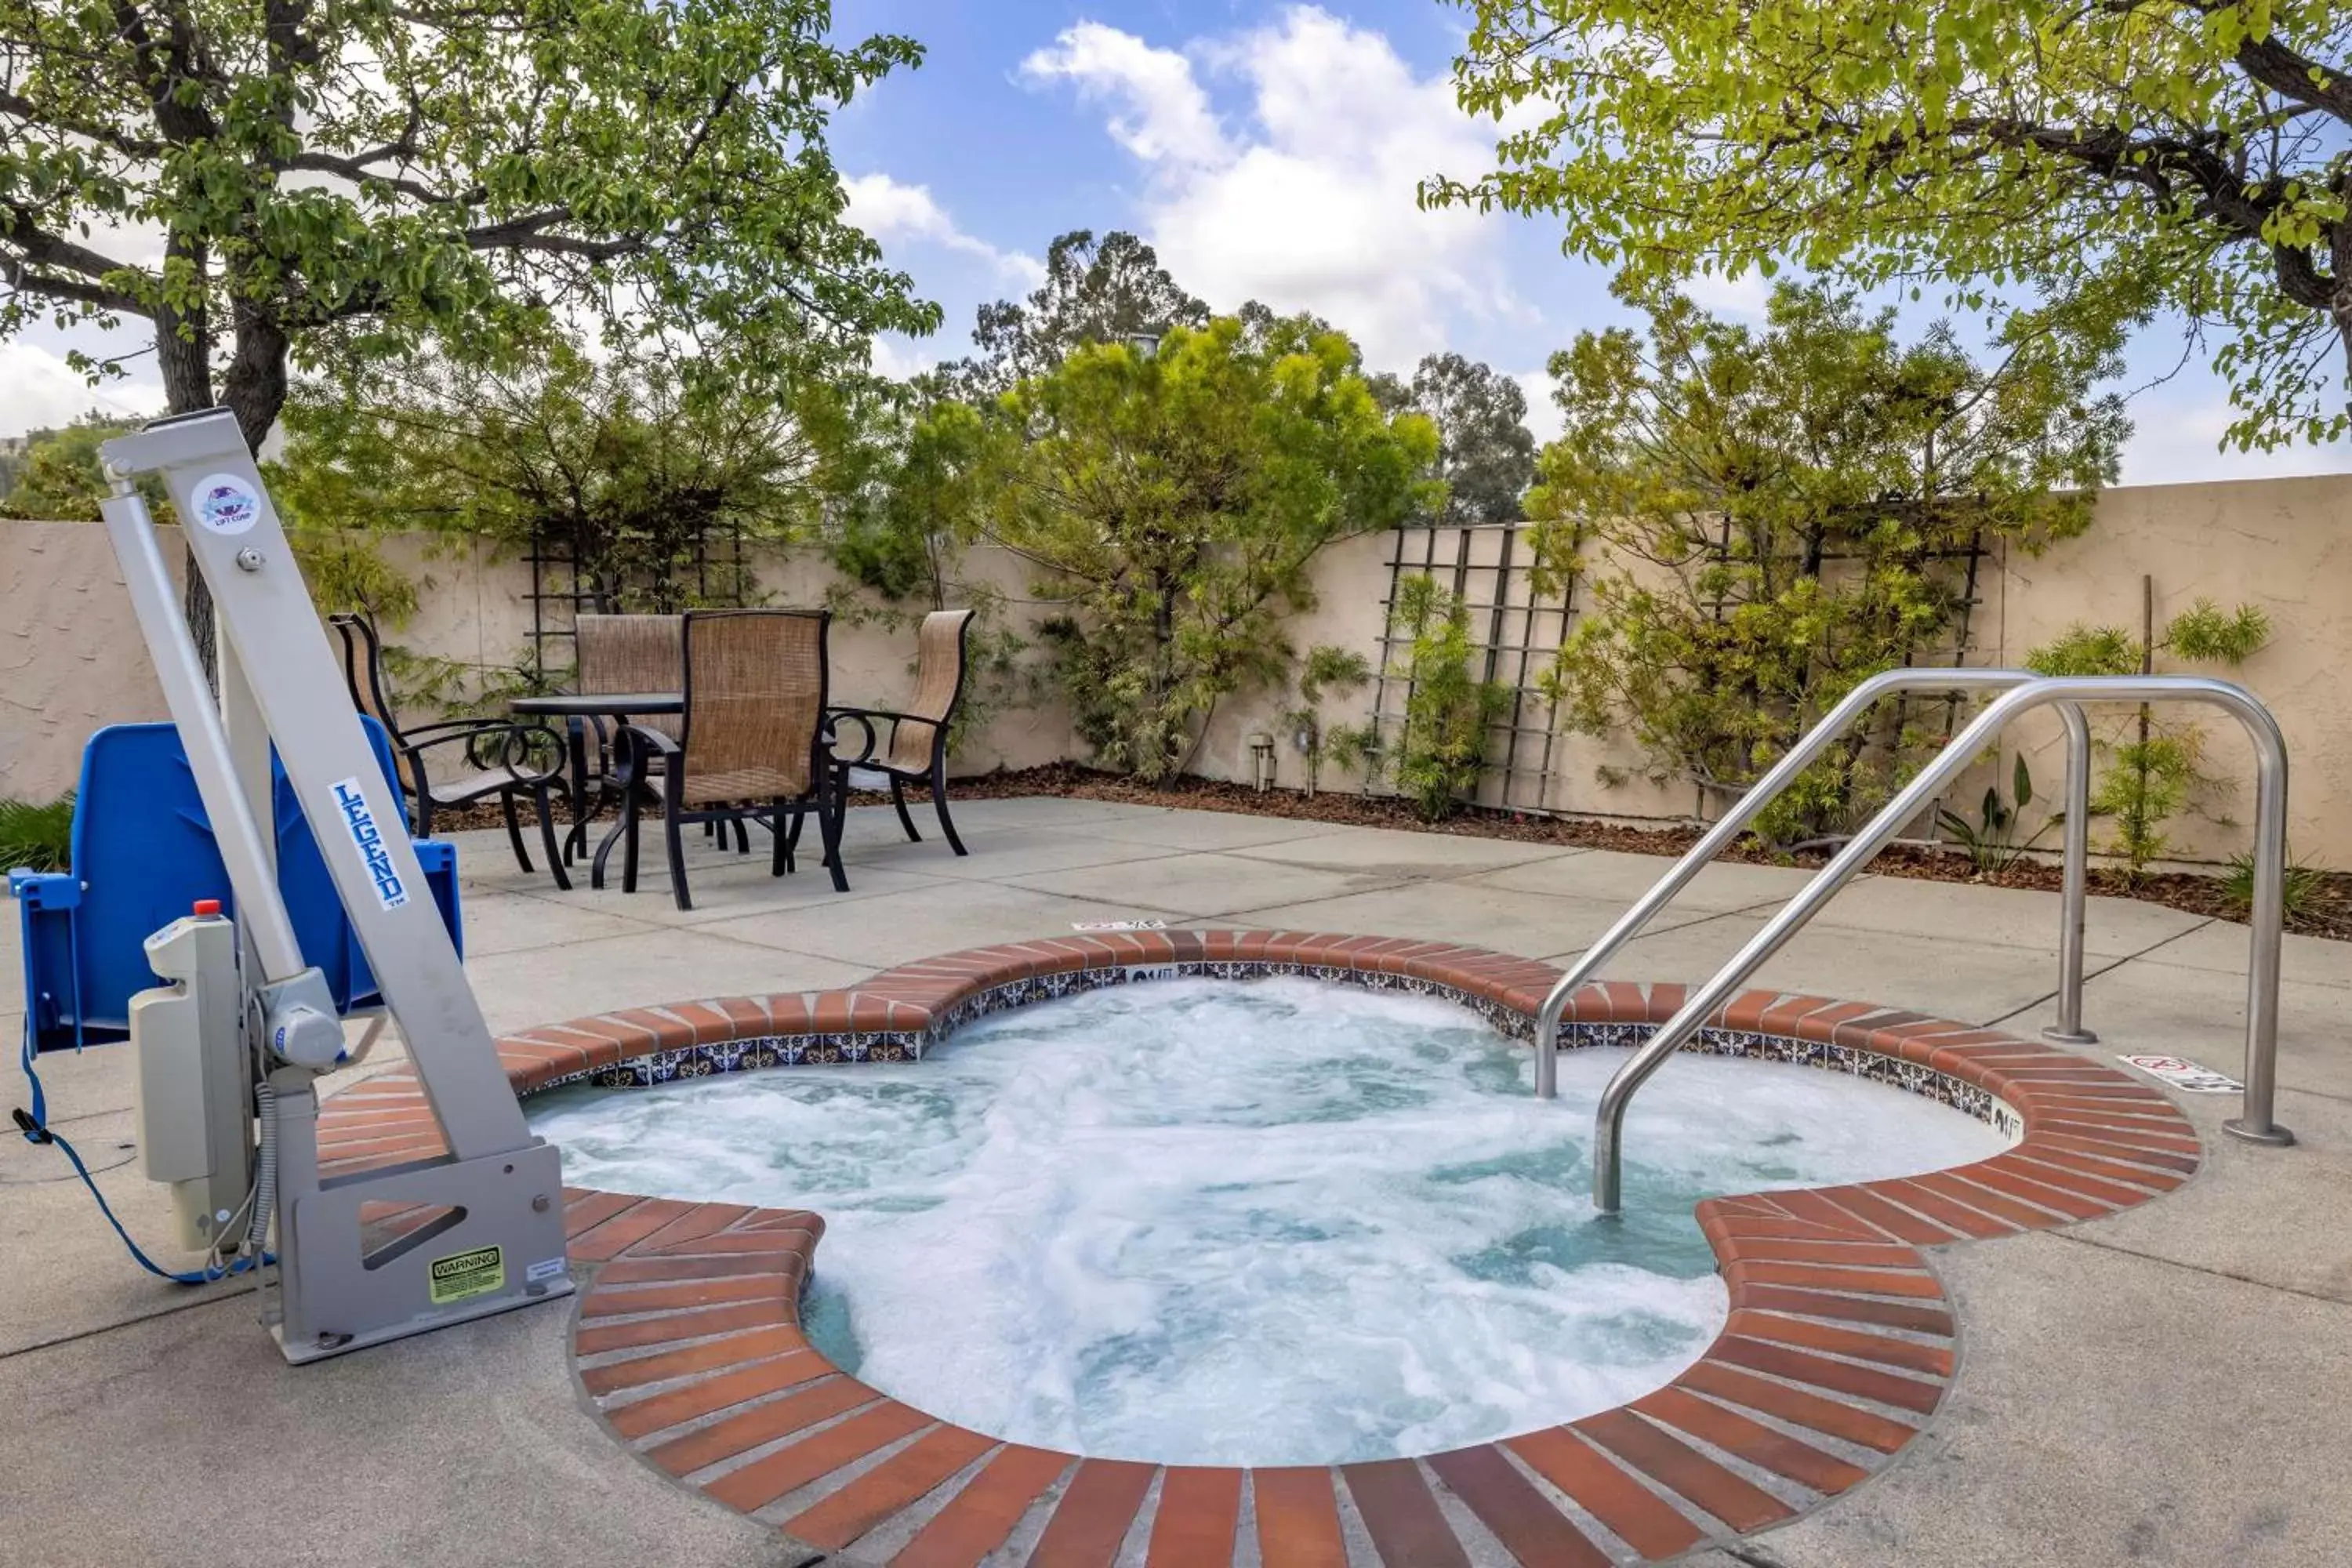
[(1764, 791), (2253, 1124)]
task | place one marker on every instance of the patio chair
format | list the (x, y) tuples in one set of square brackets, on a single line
[(494, 757), (918, 749), (623, 653), (751, 741)]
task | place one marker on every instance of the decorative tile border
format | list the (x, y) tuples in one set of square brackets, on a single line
[(758, 1053), (1840, 1343)]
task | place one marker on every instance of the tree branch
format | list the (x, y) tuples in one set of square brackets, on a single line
[(2167, 167), (2291, 76), (14, 271), (530, 233), (31, 113), (38, 248), (354, 168), (161, 70)]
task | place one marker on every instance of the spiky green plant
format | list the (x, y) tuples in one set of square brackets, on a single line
[(36, 834)]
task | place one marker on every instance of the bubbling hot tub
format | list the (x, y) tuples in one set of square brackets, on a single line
[(1259, 1195), (1270, 1213)]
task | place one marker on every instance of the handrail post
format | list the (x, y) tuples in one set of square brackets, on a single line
[(2267, 919), (2255, 1125), (1734, 821), (2076, 882)]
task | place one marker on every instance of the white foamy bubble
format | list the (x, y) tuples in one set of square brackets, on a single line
[(1280, 1222)]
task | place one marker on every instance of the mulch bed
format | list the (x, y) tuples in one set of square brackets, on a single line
[(2326, 911)]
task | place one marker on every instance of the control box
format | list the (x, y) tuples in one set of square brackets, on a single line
[(193, 1096)]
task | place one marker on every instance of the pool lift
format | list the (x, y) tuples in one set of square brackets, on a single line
[(231, 1048)]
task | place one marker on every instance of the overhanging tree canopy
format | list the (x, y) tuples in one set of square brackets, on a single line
[(624, 462), (2114, 155), (261, 181)]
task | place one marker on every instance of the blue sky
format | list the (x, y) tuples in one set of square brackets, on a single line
[(1270, 149)]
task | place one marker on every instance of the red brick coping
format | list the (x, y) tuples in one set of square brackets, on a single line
[(1840, 1343)]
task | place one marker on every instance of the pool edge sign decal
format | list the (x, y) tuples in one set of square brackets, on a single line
[(2185, 1075), (224, 504), (462, 1275), (368, 839)]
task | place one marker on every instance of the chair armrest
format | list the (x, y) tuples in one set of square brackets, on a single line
[(511, 754), (468, 726), (864, 719), (632, 744), (890, 713)]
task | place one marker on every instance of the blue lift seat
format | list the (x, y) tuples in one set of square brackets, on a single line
[(143, 855)]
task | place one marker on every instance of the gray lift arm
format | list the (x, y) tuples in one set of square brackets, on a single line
[(496, 1239)]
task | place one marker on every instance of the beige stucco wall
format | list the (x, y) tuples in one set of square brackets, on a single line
[(1352, 584), (70, 657), (2283, 544)]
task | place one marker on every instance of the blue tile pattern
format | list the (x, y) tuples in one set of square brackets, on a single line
[(763, 1051)]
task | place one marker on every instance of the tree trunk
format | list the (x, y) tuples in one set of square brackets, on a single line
[(2343, 311), (183, 355), (254, 388)]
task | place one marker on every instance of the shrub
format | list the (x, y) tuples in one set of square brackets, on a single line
[(36, 834), (1171, 503), (2155, 770), (1758, 518)]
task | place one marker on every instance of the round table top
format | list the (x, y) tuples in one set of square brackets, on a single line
[(599, 704)]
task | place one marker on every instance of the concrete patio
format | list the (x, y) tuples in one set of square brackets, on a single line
[(2163, 1387)]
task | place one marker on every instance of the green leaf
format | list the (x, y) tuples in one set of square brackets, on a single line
[(2033, 163), (346, 184)]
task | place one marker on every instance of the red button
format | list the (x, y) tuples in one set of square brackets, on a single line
[(207, 907)]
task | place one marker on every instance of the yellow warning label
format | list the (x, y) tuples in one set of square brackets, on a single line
[(464, 1274)]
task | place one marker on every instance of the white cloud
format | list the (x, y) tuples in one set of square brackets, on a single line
[(39, 389), (1310, 203), (1546, 419), (890, 211), (1167, 119), (900, 358), (2177, 441), (1743, 298)]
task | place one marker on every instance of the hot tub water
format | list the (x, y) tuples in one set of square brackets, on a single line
[(1271, 1222)]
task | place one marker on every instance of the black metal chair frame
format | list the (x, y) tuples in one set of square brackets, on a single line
[(363, 660), (936, 774), (595, 783), (634, 746)]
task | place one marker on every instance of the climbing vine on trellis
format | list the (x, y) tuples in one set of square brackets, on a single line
[(1760, 517)]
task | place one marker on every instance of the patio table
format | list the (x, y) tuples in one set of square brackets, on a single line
[(599, 704), (620, 705)]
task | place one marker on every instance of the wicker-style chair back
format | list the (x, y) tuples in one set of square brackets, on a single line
[(755, 689), (633, 653), (363, 674), (939, 685)]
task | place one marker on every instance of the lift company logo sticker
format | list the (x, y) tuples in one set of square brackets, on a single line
[(224, 503), (360, 822), (464, 1274)]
